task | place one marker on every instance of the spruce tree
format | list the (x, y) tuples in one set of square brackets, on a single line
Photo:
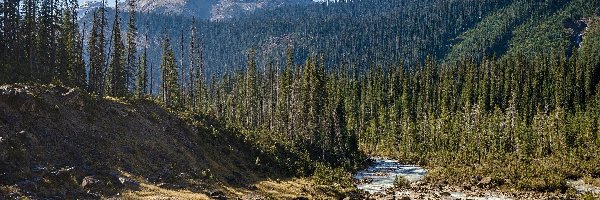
[(117, 75), (132, 33), (142, 73), (170, 84), (10, 29), (251, 98), (47, 46), (72, 70), (28, 28), (96, 52), (284, 95), (196, 72), (192, 68)]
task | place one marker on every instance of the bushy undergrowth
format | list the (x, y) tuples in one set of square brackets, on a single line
[(327, 175), (401, 182), (546, 174)]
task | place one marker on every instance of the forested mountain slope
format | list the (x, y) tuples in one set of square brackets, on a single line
[(372, 32), (529, 28)]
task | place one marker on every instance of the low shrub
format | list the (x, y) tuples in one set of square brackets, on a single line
[(401, 182), (327, 175)]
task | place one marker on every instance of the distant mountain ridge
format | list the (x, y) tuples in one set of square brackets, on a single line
[(215, 10), (225, 9), (86, 7), (195, 8)]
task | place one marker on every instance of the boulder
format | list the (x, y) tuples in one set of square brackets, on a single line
[(217, 194), (91, 183), (129, 184)]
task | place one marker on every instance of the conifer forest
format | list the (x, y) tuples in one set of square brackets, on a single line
[(487, 95)]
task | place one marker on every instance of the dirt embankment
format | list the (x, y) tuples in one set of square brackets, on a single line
[(58, 142)]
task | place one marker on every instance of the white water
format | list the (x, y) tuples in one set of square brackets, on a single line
[(581, 187), (382, 173)]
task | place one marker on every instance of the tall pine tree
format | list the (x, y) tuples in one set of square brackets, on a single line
[(117, 75), (170, 84), (132, 33), (96, 52)]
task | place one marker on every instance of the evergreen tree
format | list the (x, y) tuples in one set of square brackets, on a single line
[(29, 28), (96, 52), (170, 84), (132, 34), (251, 98), (47, 46), (11, 33), (142, 73), (284, 99), (196, 72), (72, 70), (117, 74)]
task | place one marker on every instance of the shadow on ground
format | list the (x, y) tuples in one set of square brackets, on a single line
[(58, 142)]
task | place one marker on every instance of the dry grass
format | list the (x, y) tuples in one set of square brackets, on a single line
[(287, 189), (268, 189), (290, 189), (153, 192), (592, 181)]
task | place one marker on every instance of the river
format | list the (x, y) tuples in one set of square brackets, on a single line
[(378, 180), (382, 173)]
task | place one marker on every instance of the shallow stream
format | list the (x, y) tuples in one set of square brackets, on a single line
[(382, 173)]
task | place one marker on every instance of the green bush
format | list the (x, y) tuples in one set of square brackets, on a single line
[(401, 182), (327, 175)]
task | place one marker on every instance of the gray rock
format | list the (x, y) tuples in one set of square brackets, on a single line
[(91, 183), (486, 181), (217, 194), (129, 184), (445, 194), (252, 187)]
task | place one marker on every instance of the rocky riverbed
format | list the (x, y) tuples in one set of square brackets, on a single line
[(378, 181), (380, 176)]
